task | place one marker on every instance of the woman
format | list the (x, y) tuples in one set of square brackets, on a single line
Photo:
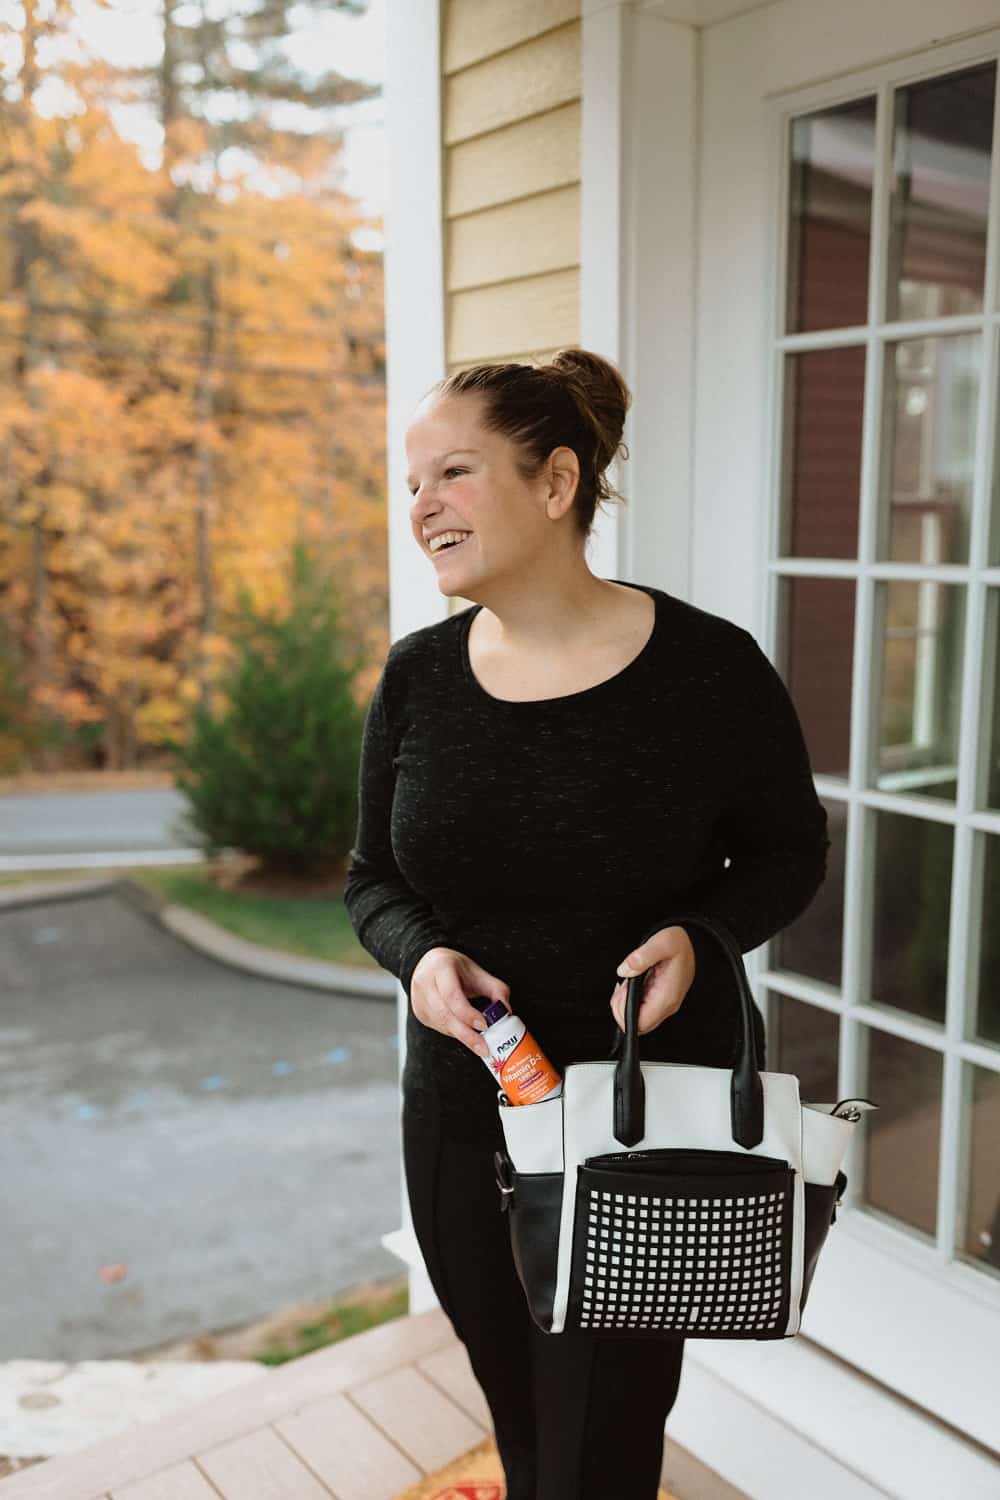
[(545, 776)]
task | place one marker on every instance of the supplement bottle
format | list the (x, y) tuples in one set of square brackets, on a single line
[(520, 1066)]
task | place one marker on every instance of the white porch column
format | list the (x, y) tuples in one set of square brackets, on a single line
[(638, 282), (414, 313)]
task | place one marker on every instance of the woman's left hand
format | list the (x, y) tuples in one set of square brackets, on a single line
[(669, 954)]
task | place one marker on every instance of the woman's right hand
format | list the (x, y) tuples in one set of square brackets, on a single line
[(439, 989)]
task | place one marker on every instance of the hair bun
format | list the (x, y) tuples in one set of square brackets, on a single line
[(603, 397)]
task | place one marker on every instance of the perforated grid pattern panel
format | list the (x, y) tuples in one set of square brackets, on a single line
[(711, 1263)]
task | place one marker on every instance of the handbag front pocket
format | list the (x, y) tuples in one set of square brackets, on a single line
[(676, 1241), (687, 1160)]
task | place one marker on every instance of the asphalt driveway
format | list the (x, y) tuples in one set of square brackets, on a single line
[(67, 822), (232, 1142)]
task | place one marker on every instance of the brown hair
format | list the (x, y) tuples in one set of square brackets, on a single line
[(578, 400)]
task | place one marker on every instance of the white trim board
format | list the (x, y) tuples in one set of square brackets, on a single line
[(415, 358), (403, 1242), (638, 272), (873, 1277), (414, 286), (781, 1419)]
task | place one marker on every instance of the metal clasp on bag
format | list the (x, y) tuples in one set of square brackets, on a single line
[(501, 1164), (847, 1109)]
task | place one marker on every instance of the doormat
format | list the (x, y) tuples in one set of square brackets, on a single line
[(477, 1475)]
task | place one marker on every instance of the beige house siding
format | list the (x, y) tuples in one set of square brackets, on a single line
[(510, 141), (510, 138)]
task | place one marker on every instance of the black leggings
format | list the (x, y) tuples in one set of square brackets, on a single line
[(574, 1418)]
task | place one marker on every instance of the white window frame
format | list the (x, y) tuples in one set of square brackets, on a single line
[(895, 1306)]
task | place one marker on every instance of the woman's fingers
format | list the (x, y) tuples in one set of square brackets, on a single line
[(665, 965), (657, 1003), (465, 1022), (439, 988)]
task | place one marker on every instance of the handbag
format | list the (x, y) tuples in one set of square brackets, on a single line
[(665, 1200)]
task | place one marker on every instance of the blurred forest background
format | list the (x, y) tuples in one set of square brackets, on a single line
[(191, 370)]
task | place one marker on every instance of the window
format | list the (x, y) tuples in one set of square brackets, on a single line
[(885, 588)]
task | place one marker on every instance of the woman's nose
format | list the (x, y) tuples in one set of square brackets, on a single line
[(423, 506)]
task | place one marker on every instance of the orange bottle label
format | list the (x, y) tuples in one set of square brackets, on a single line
[(525, 1074)]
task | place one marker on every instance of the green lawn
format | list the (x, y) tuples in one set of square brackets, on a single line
[(314, 926), (343, 1319)]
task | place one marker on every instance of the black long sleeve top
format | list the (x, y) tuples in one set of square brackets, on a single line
[(545, 838)]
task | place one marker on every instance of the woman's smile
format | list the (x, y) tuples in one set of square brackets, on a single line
[(453, 547)]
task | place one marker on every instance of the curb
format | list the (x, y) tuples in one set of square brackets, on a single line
[(208, 938), (41, 892), (52, 1407)]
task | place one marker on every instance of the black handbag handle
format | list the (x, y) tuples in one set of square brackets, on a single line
[(746, 1089)]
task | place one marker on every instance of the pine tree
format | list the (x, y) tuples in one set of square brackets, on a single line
[(272, 770)]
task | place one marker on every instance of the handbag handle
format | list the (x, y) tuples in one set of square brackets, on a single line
[(746, 1089)]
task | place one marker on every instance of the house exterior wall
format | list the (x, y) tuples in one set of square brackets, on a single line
[(510, 142)]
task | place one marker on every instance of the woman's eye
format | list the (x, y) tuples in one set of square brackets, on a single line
[(453, 470)]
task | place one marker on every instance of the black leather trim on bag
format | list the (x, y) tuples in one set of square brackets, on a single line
[(820, 1212), (534, 1202), (746, 1089)]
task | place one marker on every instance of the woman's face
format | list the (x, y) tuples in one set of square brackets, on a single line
[(462, 478)]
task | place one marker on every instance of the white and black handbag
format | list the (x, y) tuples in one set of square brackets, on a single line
[(665, 1200)]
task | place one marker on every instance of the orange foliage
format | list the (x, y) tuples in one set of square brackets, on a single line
[(178, 366)]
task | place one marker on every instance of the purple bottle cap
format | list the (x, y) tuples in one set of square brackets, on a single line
[(495, 1011)]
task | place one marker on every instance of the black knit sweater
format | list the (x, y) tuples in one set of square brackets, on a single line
[(545, 838)]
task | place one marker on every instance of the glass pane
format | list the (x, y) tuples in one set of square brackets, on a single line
[(988, 981), (815, 655), (979, 1237), (829, 216), (940, 194), (901, 1138), (921, 680), (811, 945), (805, 1040), (824, 401), (912, 898), (929, 448), (991, 698)]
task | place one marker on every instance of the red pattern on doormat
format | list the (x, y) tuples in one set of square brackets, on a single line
[(471, 1489)]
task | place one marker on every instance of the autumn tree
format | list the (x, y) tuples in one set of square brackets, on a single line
[(214, 89), (191, 373)]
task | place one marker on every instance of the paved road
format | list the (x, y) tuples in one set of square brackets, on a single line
[(84, 822), (232, 1140)]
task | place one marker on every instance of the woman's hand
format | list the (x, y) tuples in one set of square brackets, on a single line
[(669, 955), (439, 989)]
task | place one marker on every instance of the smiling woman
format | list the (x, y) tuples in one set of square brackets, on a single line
[(517, 844)]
